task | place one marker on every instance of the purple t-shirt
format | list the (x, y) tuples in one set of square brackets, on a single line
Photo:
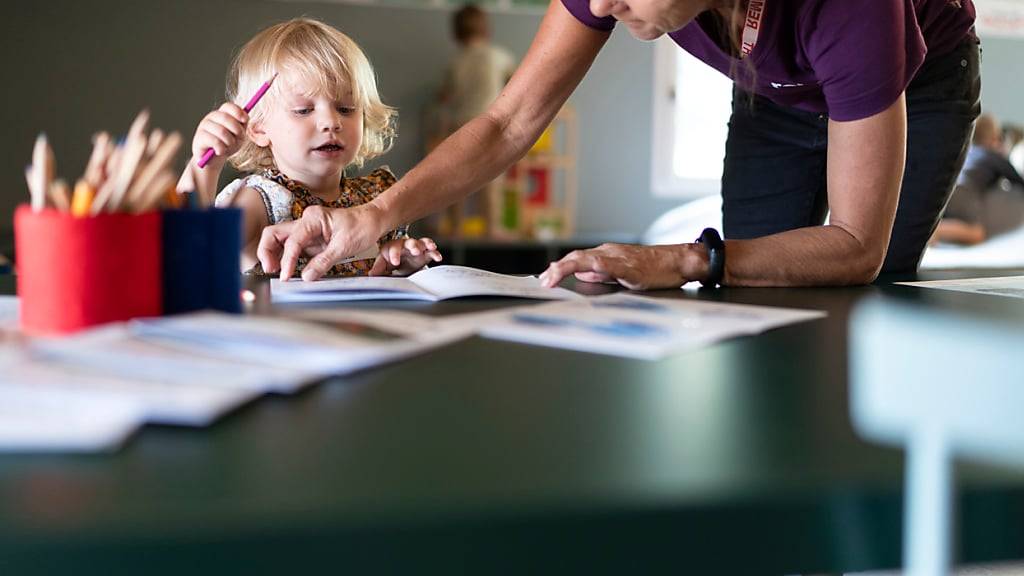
[(850, 59)]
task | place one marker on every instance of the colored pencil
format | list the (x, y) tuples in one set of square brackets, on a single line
[(42, 171), (60, 195), (160, 161), (81, 200), (134, 149)]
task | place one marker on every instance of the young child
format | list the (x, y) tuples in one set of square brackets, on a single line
[(321, 115)]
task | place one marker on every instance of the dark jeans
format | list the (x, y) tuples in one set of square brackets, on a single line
[(775, 161)]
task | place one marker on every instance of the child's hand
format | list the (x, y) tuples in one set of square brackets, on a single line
[(223, 130), (405, 256)]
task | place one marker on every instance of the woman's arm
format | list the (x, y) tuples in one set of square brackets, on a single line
[(865, 172), (558, 58)]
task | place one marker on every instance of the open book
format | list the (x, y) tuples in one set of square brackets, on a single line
[(432, 284)]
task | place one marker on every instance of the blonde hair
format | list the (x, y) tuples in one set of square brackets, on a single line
[(322, 57)]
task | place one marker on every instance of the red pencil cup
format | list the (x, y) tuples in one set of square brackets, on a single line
[(79, 272)]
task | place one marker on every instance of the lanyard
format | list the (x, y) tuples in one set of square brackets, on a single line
[(751, 27)]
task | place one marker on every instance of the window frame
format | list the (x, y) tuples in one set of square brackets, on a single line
[(665, 183)]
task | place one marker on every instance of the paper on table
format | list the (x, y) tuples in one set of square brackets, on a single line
[(320, 344), (116, 350), (9, 312), (185, 370), (1012, 286), (177, 403), (636, 326), (432, 284), (37, 419), (191, 369)]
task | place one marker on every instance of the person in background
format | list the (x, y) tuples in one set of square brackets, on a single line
[(479, 69), (473, 80), (321, 116), (989, 194)]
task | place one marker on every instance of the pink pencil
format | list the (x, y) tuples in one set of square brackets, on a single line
[(248, 108)]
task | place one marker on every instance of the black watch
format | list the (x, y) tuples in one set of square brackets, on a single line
[(713, 243)]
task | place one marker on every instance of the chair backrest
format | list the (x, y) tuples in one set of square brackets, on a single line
[(914, 369), (938, 384)]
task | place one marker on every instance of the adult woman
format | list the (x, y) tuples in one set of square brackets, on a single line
[(831, 95)]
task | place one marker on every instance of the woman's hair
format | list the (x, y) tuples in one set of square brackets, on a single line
[(322, 57), (738, 9), (731, 32)]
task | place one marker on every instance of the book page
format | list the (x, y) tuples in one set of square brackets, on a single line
[(346, 289), (456, 281)]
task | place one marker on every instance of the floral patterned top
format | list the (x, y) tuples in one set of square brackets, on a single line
[(286, 199)]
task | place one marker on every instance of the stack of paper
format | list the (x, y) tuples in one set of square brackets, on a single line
[(185, 370)]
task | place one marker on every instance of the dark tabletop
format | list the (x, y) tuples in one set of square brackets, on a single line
[(490, 456)]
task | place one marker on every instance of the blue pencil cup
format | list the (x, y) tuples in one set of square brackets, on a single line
[(201, 260)]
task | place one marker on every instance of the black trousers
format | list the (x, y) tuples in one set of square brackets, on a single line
[(776, 158)]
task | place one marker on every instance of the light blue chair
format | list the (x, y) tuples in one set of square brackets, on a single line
[(939, 384)]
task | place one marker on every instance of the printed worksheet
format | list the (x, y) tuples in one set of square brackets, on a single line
[(636, 326), (179, 402), (88, 391), (1012, 286), (432, 285), (10, 312), (39, 419), (260, 354)]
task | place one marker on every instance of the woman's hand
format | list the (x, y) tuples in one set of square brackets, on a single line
[(223, 130), (326, 236), (635, 267), (405, 256)]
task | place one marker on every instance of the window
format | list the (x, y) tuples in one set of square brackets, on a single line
[(692, 103)]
